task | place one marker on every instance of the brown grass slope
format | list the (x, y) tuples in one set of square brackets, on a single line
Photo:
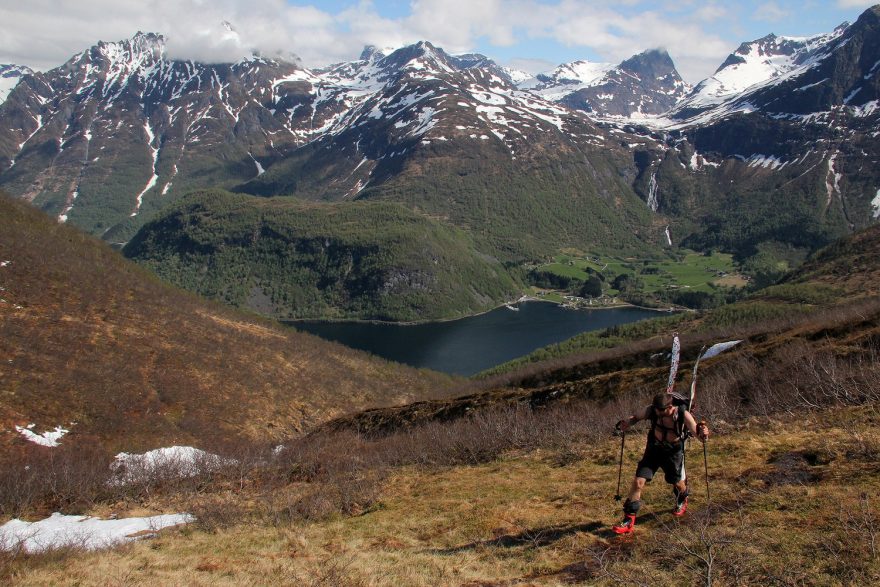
[(91, 342), (793, 503)]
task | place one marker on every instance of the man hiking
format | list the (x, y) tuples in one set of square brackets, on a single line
[(665, 450)]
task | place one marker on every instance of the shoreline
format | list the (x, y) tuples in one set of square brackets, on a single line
[(524, 299)]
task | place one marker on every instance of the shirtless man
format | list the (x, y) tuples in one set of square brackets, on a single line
[(665, 450)]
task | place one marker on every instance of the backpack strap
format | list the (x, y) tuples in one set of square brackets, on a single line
[(680, 428)]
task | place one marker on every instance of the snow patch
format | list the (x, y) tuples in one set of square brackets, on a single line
[(813, 85), (765, 161), (63, 216), (260, 170), (49, 438), (59, 531), (181, 461), (832, 180), (489, 98), (851, 95), (155, 177), (866, 109), (876, 204), (39, 119)]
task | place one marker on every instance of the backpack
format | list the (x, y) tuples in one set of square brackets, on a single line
[(681, 431)]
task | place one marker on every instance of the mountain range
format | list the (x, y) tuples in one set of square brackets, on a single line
[(774, 155)]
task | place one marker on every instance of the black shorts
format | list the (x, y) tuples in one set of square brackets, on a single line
[(670, 458)]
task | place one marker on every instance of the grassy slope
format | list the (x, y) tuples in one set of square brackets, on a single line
[(88, 337), (785, 510), (291, 259), (695, 272)]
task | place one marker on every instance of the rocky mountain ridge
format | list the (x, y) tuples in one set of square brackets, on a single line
[(644, 85), (175, 125)]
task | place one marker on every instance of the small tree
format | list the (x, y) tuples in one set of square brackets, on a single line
[(592, 288)]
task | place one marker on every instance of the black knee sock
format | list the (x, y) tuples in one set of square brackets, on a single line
[(631, 507)]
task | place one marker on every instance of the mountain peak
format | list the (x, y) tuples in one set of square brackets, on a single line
[(469, 60), (139, 44), (420, 56), (653, 62), (373, 52)]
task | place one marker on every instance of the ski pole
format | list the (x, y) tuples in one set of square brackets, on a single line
[(706, 467), (617, 496)]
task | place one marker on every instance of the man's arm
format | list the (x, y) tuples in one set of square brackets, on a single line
[(624, 425), (700, 430)]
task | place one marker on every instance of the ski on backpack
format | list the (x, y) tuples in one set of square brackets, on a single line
[(673, 366), (693, 394)]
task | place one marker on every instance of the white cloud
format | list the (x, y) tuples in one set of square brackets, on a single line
[(856, 3), (531, 66), (771, 12), (48, 32)]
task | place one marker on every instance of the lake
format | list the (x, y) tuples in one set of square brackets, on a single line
[(470, 345)]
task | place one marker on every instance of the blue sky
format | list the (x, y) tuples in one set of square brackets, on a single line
[(534, 35)]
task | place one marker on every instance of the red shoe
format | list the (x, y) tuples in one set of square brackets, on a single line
[(626, 526), (680, 507)]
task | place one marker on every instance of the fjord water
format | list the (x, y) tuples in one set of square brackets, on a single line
[(470, 345)]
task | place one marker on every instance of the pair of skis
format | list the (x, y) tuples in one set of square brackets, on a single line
[(689, 400)]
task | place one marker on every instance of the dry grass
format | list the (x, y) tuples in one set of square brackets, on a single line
[(525, 520)]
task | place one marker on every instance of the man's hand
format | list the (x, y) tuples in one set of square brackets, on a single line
[(623, 425), (702, 431)]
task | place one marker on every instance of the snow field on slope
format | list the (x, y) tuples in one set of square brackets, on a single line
[(61, 531)]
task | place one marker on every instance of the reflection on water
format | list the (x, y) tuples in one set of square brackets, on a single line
[(471, 345)]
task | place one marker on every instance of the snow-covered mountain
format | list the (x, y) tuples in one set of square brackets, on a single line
[(643, 85), (118, 131), (120, 128), (419, 125), (755, 64), (567, 78), (9, 76), (116, 125), (789, 77)]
